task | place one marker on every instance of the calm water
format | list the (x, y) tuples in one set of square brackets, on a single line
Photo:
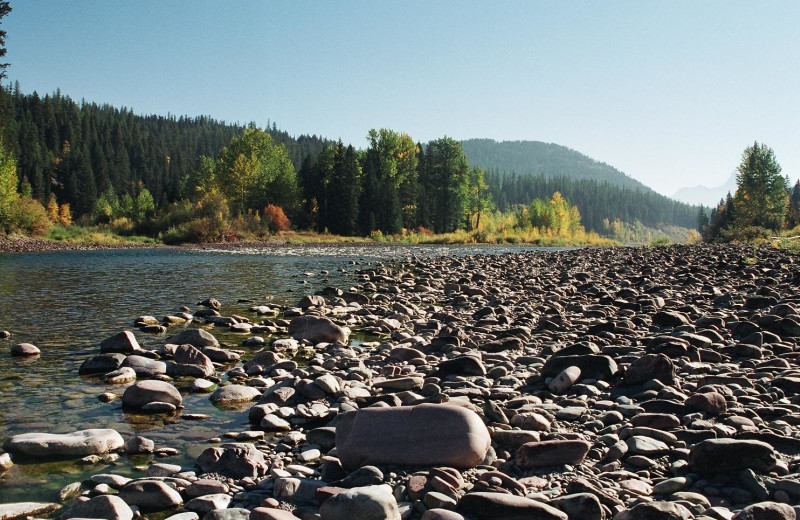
[(67, 302)]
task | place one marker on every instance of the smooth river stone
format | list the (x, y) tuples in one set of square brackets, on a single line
[(26, 510), (364, 503), (504, 506), (721, 455), (139, 394), (150, 495), (121, 343), (423, 435), (109, 507), (75, 444), (196, 337), (25, 349), (234, 394), (317, 330), (551, 453)]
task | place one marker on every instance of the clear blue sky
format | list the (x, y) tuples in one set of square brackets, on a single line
[(670, 92)]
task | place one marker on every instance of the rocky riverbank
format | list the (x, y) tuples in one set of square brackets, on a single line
[(624, 383), (38, 245)]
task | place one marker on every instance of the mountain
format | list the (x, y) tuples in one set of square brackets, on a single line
[(543, 159), (708, 197)]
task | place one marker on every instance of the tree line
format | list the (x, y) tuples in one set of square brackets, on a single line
[(599, 201), (202, 179), (764, 202)]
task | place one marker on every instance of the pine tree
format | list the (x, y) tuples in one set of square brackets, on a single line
[(761, 196)]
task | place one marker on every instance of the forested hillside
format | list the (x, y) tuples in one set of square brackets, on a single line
[(599, 202), (78, 150), (543, 159), (199, 179)]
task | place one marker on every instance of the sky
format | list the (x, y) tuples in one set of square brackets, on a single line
[(669, 92)]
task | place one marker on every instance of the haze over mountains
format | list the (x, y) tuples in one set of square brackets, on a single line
[(708, 197)]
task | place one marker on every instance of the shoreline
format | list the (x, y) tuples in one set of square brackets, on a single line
[(38, 245)]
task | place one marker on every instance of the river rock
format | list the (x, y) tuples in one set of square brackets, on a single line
[(722, 455), (412, 435), (317, 330), (234, 460), (767, 511), (25, 350), (144, 366), (148, 391), (650, 366), (76, 444), (551, 453), (502, 506), (121, 376), (26, 510), (364, 503), (190, 355), (150, 495), (656, 511), (108, 507), (122, 342), (564, 380), (231, 394), (139, 445), (102, 364), (198, 338)]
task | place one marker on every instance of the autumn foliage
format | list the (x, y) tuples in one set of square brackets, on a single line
[(276, 219)]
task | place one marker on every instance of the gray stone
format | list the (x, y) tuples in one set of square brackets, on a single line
[(75, 444), (24, 350), (144, 366), (502, 506), (122, 342), (196, 337), (26, 510), (430, 435), (234, 513), (234, 460), (143, 392), (101, 364), (150, 495), (203, 504), (364, 503), (551, 453), (234, 394), (317, 330), (108, 507), (767, 511), (721, 455)]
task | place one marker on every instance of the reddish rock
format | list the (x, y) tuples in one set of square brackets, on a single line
[(423, 435), (551, 453)]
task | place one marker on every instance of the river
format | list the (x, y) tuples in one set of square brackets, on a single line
[(65, 303)]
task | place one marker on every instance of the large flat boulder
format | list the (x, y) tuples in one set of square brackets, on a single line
[(109, 507), (724, 455), (317, 329), (423, 435), (26, 510), (75, 444)]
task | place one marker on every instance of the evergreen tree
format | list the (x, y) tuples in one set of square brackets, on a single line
[(761, 194), (793, 216), (5, 8)]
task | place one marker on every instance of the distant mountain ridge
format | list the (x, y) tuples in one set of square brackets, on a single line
[(546, 159), (704, 195)]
